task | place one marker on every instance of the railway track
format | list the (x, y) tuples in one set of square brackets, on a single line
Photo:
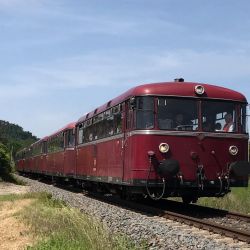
[(207, 225), (201, 223), (201, 210)]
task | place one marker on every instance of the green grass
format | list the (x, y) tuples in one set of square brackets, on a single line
[(60, 227), (238, 201), (14, 197)]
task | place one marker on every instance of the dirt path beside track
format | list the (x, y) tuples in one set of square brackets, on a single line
[(10, 188), (13, 233)]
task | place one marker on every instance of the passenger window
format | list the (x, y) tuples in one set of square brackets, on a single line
[(70, 138), (80, 134)]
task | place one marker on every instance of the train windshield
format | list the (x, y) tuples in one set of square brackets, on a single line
[(221, 116), (177, 114)]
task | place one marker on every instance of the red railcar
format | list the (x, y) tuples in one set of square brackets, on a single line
[(33, 159), (60, 152), (20, 159), (163, 139), (168, 139)]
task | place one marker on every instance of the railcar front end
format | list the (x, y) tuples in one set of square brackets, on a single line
[(187, 146)]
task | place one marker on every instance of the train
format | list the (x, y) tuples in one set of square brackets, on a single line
[(158, 140)]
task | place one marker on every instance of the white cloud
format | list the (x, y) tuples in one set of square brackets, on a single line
[(111, 68)]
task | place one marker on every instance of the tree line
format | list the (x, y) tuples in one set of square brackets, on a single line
[(12, 139)]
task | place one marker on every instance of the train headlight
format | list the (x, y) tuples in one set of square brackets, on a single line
[(164, 147), (199, 90), (233, 150)]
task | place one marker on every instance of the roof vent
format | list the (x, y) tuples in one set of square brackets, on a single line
[(179, 79)]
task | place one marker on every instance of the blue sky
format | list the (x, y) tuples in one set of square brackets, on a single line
[(61, 59)]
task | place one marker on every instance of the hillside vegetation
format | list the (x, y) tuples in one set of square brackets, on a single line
[(14, 137)]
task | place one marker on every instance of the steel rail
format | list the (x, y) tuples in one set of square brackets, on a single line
[(193, 208), (189, 220), (204, 224)]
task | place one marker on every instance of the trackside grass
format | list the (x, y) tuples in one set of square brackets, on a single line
[(238, 201), (58, 226)]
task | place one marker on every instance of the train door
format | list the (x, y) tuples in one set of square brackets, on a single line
[(69, 153), (50, 166), (107, 153), (116, 166), (59, 154), (126, 147), (43, 157)]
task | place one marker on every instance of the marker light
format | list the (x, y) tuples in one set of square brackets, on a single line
[(164, 147), (233, 150), (199, 90)]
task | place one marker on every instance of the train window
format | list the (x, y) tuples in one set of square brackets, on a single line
[(44, 147), (56, 143), (117, 123), (244, 125), (37, 149), (107, 113), (29, 152), (80, 134), (84, 135), (116, 109), (219, 116), (104, 125), (87, 123), (70, 138), (177, 114), (98, 118), (145, 112), (61, 141)]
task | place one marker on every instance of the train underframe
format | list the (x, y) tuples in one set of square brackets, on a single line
[(189, 191)]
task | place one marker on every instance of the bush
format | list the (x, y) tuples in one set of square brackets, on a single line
[(6, 167)]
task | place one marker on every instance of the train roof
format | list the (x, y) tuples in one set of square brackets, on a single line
[(68, 126), (180, 89), (39, 141)]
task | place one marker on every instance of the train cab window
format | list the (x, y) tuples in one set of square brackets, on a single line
[(219, 116), (243, 120), (177, 114), (145, 112)]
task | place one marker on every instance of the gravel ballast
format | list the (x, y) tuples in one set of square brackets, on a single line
[(158, 233)]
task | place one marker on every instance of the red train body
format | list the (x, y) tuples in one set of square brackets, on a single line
[(163, 139)]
